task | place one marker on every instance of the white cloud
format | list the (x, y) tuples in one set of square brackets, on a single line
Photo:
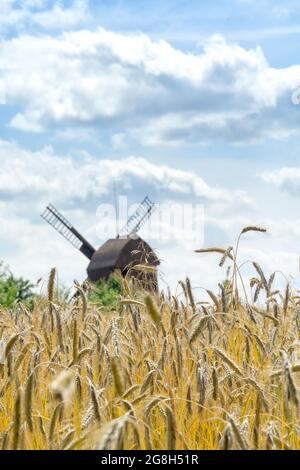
[(59, 17), (46, 14), (286, 179), (153, 91), (45, 174)]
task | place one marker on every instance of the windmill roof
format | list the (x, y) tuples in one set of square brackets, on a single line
[(118, 252), (108, 254)]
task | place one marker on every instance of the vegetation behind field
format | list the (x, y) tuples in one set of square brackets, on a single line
[(13, 289)]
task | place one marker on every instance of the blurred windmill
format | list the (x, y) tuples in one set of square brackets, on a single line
[(116, 254)]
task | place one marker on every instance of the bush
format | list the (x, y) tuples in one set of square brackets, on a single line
[(13, 289), (107, 293)]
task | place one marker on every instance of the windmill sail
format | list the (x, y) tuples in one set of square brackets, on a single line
[(138, 218), (63, 226)]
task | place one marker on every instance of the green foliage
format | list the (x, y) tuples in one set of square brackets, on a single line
[(107, 293), (13, 289)]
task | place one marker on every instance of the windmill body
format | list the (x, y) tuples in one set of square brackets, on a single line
[(123, 254), (117, 254)]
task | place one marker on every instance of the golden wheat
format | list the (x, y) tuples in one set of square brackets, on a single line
[(155, 374)]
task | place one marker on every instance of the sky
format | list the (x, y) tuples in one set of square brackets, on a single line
[(192, 103)]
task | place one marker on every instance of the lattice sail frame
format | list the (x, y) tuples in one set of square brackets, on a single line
[(137, 219), (53, 217)]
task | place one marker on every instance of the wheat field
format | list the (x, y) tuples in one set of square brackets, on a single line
[(160, 372)]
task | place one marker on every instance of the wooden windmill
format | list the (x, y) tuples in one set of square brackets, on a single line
[(116, 254)]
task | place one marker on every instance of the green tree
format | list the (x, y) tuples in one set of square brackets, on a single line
[(13, 289)]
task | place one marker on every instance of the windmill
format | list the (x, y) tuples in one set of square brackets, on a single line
[(121, 253)]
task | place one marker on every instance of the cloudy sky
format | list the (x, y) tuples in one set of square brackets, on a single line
[(188, 102)]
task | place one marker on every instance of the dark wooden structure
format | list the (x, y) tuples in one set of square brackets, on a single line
[(122, 254)]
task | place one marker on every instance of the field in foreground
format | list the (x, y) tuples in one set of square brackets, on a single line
[(159, 373)]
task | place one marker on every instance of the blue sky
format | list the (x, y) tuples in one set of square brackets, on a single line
[(187, 101)]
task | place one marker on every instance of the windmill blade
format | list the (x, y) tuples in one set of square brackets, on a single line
[(63, 226), (138, 218)]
